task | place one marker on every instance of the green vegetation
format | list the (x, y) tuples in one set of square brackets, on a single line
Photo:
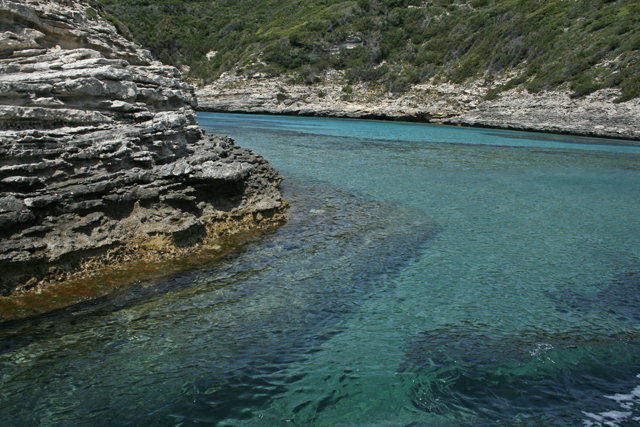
[(580, 45), (91, 14)]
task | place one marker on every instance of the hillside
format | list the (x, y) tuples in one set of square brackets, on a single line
[(580, 46)]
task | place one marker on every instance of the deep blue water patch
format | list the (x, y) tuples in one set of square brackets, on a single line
[(619, 298), (533, 378)]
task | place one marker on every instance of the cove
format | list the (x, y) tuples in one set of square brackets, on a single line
[(428, 276)]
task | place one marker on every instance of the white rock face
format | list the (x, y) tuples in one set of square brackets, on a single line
[(99, 145), (461, 104), (595, 115)]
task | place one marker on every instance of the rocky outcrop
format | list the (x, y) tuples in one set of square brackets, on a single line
[(332, 97), (99, 147), (595, 115), (435, 102)]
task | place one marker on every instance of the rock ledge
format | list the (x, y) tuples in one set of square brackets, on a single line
[(99, 148)]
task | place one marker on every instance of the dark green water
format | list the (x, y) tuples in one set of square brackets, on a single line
[(429, 276)]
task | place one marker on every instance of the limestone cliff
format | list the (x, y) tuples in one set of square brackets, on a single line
[(99, 147), (435, 102)]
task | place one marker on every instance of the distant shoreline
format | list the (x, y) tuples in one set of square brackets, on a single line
[(603, 140), (596, 115)]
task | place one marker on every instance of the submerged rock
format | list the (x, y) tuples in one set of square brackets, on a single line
[(99, 147)]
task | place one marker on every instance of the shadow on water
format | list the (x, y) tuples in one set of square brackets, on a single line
[(620, 299), (338, 279), (209, 345), (537, 377)]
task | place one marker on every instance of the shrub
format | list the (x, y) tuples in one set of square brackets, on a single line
[(584, 87), (479, 3), (91, 14), (630, 89), (492, 94)]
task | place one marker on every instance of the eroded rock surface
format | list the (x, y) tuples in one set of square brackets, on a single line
[(594, 115), (99, 145)]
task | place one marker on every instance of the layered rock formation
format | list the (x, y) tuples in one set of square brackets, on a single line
[(99, 147), (331, 97), (595, 115), (436, 102)]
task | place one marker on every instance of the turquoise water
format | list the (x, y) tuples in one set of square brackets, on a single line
[(429, 276)]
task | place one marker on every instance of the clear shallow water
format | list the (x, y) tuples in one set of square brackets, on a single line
[(429, 276)]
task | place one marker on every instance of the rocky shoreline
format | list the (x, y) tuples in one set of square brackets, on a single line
[(101, 159), (595, 115)]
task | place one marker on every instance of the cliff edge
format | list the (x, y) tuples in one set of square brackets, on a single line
[(100, 150)]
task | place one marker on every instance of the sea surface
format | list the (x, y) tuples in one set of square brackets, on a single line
[(428, 276)]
